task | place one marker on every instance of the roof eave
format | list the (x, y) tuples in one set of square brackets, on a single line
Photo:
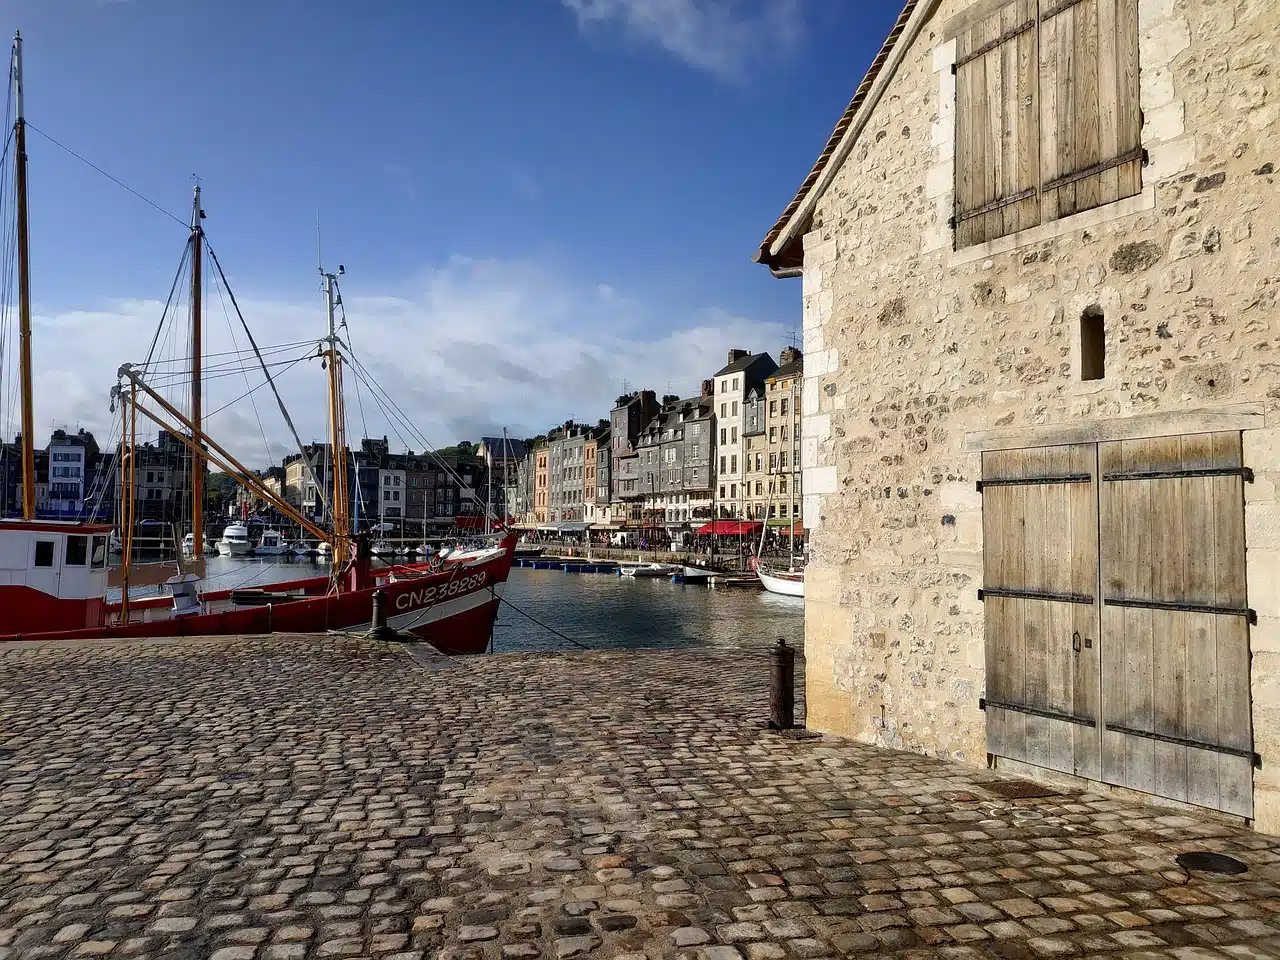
[(782, 249)]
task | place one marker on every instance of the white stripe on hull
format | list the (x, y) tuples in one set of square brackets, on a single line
[(414, 619)]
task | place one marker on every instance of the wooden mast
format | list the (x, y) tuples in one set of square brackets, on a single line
[(24, 293), (197, 412), (337, 431)]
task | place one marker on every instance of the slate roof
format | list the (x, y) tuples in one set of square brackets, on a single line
[(793, 369), (740, 364), (507, 447)]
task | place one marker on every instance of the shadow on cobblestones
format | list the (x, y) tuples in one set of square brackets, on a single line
[(293, 797)]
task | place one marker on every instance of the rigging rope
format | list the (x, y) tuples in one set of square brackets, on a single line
[(266, 447), (118, 183), (306, 461)]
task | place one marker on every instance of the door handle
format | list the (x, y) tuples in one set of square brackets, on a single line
[(1075, 641)]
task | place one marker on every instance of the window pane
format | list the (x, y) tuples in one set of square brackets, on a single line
[(77, 551), (44, 553)]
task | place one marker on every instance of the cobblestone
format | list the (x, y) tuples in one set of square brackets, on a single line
[(291, 798)]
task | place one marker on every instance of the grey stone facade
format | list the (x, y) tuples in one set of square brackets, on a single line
[(565, 473)]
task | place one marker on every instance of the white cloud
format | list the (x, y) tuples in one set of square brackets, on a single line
[(470, 347), (723, 37)]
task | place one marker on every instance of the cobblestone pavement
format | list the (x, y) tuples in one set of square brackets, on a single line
[(282, 798)]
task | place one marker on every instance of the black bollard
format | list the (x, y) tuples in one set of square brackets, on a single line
[(782, 686), (380, 629)]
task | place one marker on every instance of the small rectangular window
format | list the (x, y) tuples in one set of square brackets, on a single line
[(1093, 344), (99, 553), (44, 553), (77, 551)]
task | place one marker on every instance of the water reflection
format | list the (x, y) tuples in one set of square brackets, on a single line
[(603, 611)]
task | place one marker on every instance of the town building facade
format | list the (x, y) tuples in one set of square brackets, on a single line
[(1041, 432), (782, 439), (734, 381)]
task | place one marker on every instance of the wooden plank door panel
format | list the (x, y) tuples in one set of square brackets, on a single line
[(1040, 586), (1175, 661)]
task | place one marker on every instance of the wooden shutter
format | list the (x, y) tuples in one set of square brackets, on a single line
[(1175, 662), (1040, 579), (1089, 108), (997, 126)]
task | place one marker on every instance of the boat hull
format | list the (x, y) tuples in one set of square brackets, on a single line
[(453, 608), (787, 586), (234, 548), (647, 570)]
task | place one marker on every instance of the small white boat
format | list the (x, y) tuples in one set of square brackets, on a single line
[(422, 550), (235, 541), (324, 551), (301, 548), (189, 546), (647, 570), (403, 551), (529, 550), (696, 574), (788, 583), (271, 544)]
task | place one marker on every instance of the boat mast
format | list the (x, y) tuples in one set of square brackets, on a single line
[(24, 292), (792, 491), (337, 432), (197, 412)]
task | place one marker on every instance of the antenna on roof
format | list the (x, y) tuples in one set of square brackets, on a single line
[(626, 387), (792, 339)]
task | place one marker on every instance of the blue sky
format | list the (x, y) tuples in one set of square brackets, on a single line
[(565, 190)]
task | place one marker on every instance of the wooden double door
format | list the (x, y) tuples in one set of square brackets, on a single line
[(1117, 643)]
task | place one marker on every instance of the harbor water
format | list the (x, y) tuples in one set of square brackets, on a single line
[(600, 611)]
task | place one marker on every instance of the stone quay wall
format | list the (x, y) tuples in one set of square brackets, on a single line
[(910, 345)]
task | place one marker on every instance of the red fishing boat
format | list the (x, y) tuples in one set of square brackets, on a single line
[(54, 576), (53, 586)]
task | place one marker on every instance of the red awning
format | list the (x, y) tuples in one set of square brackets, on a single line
[(728, 528)]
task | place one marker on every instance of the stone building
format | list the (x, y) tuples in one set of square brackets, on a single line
[(733, 383), (540, 477), (565, 472), (1039, 251), (596, 466), (630, 415), (393, 490), (757, 495), (501, 457)]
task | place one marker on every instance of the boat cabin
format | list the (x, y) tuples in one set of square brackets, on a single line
[(53, 576)]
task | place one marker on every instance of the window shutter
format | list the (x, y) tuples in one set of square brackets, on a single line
[(997, 126), (1089, 105)]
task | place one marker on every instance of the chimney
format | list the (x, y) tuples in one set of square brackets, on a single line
[(735, 355), (708, 388), (789, 355)]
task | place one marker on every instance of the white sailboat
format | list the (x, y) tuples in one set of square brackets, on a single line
[(789, 583)]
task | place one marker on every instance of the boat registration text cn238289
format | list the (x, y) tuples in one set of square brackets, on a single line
[(445, 591)]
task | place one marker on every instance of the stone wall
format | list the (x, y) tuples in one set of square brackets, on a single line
[(909, 346)]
